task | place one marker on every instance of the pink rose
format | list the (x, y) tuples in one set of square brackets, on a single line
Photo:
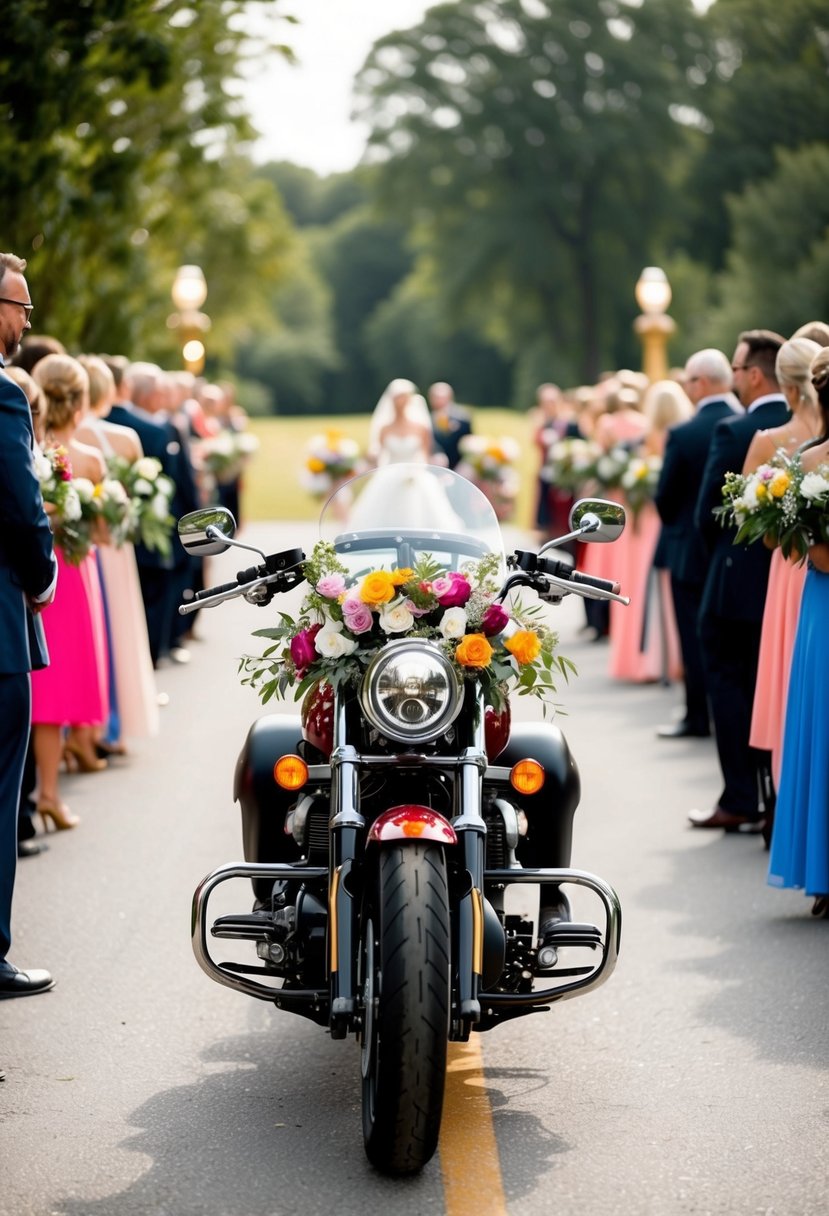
[(303, 650), (332, 586), (357, 616), (454, 590), (494, 620)]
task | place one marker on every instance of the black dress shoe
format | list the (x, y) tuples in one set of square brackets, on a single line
[(24, 983), (682, 730), (28, 848)]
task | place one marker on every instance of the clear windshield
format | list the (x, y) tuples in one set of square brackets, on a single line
[(391, 516)]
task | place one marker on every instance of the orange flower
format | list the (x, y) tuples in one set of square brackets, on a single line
[(377, 588), (524, 646), (399, 577), (315, 465), (474, 651)]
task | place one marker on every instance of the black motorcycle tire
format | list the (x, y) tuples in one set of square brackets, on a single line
[(406, 986)]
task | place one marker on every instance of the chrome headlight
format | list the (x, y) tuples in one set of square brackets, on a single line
[(411, 692)]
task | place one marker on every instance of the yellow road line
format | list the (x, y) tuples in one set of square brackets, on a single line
[(469, 1162)]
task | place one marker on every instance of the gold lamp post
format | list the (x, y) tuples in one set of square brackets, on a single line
[(654, 326), (189, 292)]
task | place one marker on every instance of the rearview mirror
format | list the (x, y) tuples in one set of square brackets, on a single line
[(202, 532)]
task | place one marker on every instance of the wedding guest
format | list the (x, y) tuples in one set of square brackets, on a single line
[(28, 574), (133, 685), (35, 347), (731, 612), (785, 587), (815, 331), (707, 382), (799, 856), (72, 690), (553, 419), (450, 422)]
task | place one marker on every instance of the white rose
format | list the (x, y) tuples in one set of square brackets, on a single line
[(395, 617), (160, 507), (331, 644), (453, 623), (114, 491), (143, 487), (247, 443), (43, 468), (71, 504), (148, 467), (814, 485), (84, 488)]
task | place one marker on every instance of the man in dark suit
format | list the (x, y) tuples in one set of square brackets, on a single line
[(708, 384), (450, 421), (731, 612), (28, 574)]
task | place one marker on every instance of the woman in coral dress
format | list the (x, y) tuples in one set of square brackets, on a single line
[(786, 578), (72, 690), (132, 668)]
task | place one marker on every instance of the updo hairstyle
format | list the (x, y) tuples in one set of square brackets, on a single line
[(65, 387), (793, 366), (101, 379)]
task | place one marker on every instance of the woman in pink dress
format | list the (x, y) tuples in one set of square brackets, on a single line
[(73, 688), (786, 578)]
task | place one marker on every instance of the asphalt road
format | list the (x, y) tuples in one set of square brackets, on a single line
[(694, 1081)]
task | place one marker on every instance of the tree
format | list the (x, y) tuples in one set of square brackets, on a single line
[(529, 145), (119, 158)]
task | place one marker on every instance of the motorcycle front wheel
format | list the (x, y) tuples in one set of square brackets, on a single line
[(406, 993)]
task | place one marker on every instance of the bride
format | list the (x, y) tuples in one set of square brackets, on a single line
[(400, 434)]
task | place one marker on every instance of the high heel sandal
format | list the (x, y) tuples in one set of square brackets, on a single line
[(81, 757), (58, 812)]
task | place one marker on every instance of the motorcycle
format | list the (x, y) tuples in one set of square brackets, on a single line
[(393, 828)]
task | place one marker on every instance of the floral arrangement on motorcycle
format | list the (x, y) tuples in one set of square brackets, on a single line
[(341, 625), (491, 465), (779, 501), (331, 458)]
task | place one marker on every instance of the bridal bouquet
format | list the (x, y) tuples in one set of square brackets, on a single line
[(330, 459), (610, 467), (147, 518), (342, 624), (570, 462), (225, 455), (72, 515), (778, 501), (490, 465), (639, 480)]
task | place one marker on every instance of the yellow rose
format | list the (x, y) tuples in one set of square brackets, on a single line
[(761, 492), (779, 484), (315, 465), (377, 588), (399, 577), (524, 646), (474, 651)]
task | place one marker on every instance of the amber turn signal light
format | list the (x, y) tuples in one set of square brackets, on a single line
[(290, 772), (527, 777)]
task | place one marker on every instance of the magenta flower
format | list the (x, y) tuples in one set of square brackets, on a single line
[(357, 616), (452, 591), (303, 650), (331, 586), (494, 620)]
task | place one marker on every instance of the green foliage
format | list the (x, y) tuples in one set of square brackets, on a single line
[(527, 146), (119, 160)]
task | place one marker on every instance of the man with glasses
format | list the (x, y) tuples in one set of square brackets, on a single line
[(731, 612), (708, 384), (28, 573)]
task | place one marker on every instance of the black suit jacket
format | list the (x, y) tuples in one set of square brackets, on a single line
[(735, 587), (686, 452), (450, 428), (27, 563)]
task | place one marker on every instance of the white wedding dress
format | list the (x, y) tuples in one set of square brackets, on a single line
[(404, 492)]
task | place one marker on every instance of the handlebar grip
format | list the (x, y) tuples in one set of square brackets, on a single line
[(220, 590), (601, 584)]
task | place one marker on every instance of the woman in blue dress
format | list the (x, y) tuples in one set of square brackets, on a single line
[(800, 843)]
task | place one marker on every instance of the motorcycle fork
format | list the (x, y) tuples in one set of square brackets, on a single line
[(468, 936), (347, 842)]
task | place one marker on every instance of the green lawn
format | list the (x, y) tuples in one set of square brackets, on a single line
[(272, 489)]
